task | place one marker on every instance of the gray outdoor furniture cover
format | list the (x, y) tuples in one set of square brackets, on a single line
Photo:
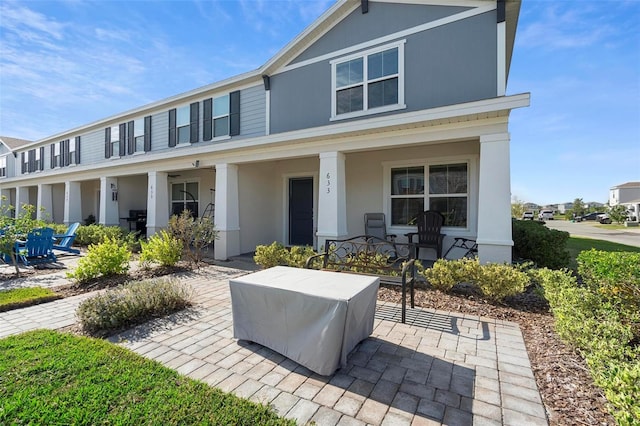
[(315, 318)]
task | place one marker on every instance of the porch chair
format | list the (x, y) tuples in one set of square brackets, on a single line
[(375, 226), (37, 248), (429, 225), (63, 242)]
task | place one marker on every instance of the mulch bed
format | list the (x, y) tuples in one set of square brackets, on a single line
[(567, 389)]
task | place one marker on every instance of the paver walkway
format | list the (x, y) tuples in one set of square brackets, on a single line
[(439, 368)]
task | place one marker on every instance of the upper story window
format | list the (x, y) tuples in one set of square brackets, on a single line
[(57, 159), (72, 152), (115, 141), (37, 160), (138, 134), (183, 124), (446, 191), (3, 167), (368, 82), (221, 116)]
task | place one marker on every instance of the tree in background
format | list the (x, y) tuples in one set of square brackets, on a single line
[(517, 207), (618, 213), (578, 208), (13, 229)]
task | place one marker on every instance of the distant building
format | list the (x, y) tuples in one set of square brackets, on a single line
[(627, 194), (564, 207)]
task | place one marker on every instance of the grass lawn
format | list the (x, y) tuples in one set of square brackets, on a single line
[(47, 377), (577, 244), (20, 297)]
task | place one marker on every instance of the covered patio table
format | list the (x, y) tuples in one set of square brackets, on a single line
[(315, 318)]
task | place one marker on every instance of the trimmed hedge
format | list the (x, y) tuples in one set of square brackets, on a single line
[(543, 246)]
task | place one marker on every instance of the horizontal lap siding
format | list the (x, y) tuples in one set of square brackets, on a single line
[(91, 147), (160, 131), (252, 112)]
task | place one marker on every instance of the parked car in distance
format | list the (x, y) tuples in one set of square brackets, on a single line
[(604, 218), (545, 215), (528, 215), (589, 216)]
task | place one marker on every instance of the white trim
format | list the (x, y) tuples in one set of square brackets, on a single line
[(391, 37), (459, 3), (502, 58)]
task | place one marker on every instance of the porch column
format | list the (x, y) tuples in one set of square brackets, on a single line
[(157, 202), (332, 198), (5, 201), (72, 203), (227, 218), (22, 197), (45, 202), (494, 200), (109, 208)]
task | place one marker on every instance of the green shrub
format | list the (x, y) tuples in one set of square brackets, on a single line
[(161, 248), (277, 254), (133, 303), (545, 247), (195, 234), (497, 281), (95, 234), (446, 273), (110, 257), (298, 256)]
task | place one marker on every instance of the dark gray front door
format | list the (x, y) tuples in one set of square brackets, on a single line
[(301, 211)]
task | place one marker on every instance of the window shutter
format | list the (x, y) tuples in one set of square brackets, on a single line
[(195, 109), (41, 158), (32, 161), (77, 150), (207, 119), (107, 143), (22, 163), (53, 156), (234, 113), (147, 133), (131, 148), (122, 143), (65, 153), (172, 127)]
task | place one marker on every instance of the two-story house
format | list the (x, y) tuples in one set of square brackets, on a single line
[(393, 106)]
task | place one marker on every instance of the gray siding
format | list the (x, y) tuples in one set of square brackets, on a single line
[(446, 65), (252, 112), (4, 149), (92, 147), (382, 19), (160, 131)]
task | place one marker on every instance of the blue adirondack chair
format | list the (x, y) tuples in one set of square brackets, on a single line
[(37, 248), (63, 242)]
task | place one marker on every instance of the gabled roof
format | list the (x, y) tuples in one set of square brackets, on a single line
[(13, 143), (627, 185)]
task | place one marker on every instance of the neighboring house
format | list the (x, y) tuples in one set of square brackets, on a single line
[(531, 206), (564, 207), (627, 194), (378, 106)]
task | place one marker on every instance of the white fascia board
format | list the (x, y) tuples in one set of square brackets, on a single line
[(456, 3)]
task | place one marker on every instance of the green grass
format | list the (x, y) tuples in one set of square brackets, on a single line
[(47, 377), (577, 244), (20, 297)]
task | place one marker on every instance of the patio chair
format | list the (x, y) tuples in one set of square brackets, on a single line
[(63, 242), (429, 225), (375, 226), (37, 248)]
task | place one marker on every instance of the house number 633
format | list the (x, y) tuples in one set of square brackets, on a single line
[(328, 183)]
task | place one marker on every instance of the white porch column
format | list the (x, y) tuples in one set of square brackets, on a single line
[(45, 202), (73, 202), (5, 201), (157, 202), (332, 198), (227, 218), (22, 197), (109, 211), (494, 200)]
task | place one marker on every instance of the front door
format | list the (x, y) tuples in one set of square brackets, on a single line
[(301, 211)]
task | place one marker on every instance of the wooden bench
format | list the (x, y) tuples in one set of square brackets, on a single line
[(393, 263)]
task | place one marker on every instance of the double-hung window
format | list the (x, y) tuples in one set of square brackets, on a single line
[(184, 196), (440, 187), (3, 167), (115, 141), (36, 164), (221, 116), (57, 161), (138, 134), (183, 124), (368, 82), (72, 151)]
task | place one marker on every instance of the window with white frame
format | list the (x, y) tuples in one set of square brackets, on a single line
[(56, 155), (183, 124), (26, 162), (72, 152), (221, 116), (184, 196), (3, 166), (115, 141), (368, 82), (446, 191), (138, 134), (36, 165)]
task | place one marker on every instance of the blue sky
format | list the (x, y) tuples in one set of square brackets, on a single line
[(68, 63)]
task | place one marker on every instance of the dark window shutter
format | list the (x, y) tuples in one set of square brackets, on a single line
[(32, 161), (122, 143), (172, 127), (147, 133), (234, 113), (207, 121), (65, 153), (195, 109), (53, 156), (23, 167), (77, 150), (107, 143), (42, 158), (131, 142)]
